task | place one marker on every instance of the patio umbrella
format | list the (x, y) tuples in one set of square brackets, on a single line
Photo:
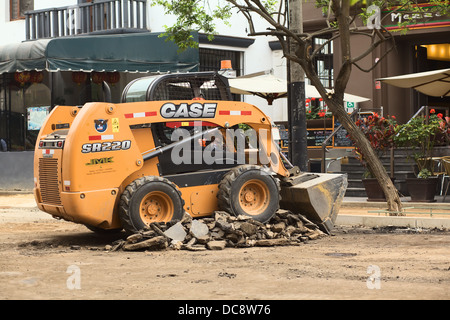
[(265, 86), (433, 83), (311, 92), (270, 87)]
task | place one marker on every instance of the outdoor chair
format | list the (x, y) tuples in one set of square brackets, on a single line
[(446, 165)]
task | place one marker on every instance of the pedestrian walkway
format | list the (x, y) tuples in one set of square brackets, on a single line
[(15, 199), (356, 211)]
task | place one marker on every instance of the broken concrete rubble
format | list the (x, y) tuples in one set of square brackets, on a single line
[(220, 231)]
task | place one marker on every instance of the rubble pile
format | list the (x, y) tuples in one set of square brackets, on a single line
[(220, 231)]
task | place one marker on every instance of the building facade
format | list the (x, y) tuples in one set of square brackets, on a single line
[(424, 47), (64, 55)]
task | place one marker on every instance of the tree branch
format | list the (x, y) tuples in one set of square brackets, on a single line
[(341, 10), (377, 62)]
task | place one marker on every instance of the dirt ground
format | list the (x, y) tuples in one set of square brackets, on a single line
[(44, 258)]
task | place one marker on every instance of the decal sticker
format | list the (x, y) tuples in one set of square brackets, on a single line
[(101, 125), (235, 113), (62, 126), (48, 153), (184, 110), (67, 185), (178, 124), (102, 137), (106, 146), (115, 124), (140, 114), (100, 161)]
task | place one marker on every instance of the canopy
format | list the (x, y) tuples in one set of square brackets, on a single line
[(265, 86), (270, 87), (311, 92), (433, 83), (136, 52)]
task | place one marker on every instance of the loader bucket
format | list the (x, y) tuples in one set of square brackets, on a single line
[(317, 196)]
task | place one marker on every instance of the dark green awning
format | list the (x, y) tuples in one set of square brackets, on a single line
[(137, 52)]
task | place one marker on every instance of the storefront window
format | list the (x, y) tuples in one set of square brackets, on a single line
[(23, 106), (37, 107), (210, 59), (16, 118)]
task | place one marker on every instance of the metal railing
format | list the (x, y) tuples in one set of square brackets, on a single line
[(421, 111), (325, 142), (87, 18)]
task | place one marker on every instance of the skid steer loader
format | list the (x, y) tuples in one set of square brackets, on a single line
[(176, 143)]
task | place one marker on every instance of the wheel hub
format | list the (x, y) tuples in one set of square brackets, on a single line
[(249, 196), (253, 197), (155, 207)]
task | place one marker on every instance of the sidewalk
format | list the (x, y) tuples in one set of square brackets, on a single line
[(17, 199), (355, 211)]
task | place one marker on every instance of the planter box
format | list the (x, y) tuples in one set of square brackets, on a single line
[(373, 190), (422, 190), (319, 123)]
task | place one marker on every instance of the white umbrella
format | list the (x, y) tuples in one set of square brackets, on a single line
[(265, 86), (433, 83), (270, 87), (311, 92)]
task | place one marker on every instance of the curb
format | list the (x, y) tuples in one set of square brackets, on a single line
[(396, 221), (376, 221)]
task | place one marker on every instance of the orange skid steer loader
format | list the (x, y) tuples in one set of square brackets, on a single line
[(154, 157)]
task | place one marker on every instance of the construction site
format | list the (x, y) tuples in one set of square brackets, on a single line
[(368, 256), (132, 169)]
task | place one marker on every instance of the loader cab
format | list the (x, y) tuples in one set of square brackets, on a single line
[(178, 86), (211, 151)]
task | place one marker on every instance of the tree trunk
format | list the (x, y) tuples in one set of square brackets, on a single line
[(373, 162), (335, 102)]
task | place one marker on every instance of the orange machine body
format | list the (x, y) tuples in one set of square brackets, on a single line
[(85, 157)]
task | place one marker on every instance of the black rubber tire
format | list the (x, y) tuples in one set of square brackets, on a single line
[(229, 198), (135, 192)]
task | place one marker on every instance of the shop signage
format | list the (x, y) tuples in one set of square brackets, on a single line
[(426, 18)]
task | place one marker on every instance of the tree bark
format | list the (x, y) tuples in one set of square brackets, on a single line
[(336, 105), (373, 162), (335, 102)]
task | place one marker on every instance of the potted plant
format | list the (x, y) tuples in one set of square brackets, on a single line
[(318, 115), (380, 132), (420, 135)]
